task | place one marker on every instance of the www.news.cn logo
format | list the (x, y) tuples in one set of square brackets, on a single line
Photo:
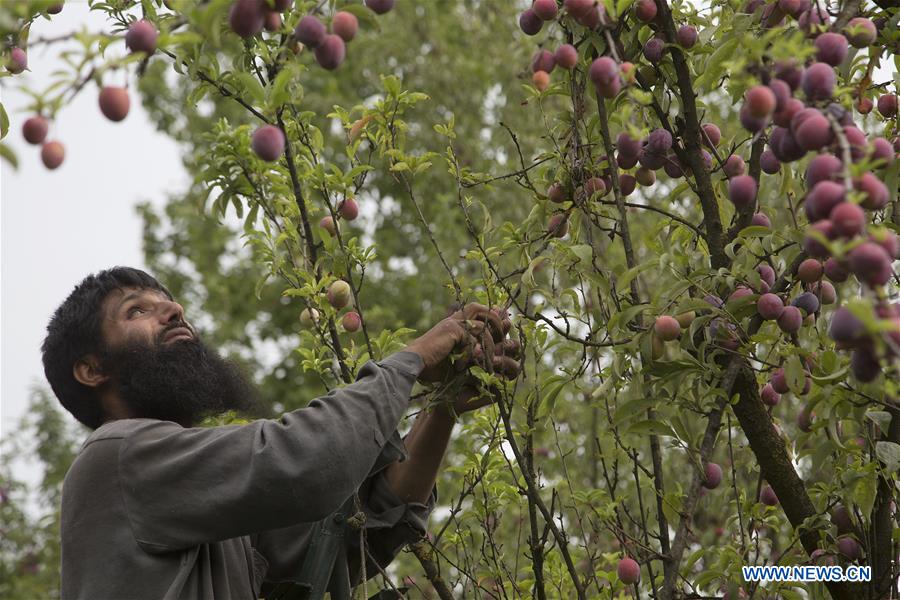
[(807, 573)]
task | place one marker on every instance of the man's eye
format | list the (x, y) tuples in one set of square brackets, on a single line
[(133, 310)]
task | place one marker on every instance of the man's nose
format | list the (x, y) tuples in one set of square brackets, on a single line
[(172, 311)]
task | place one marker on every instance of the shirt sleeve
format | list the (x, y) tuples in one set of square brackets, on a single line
[(184, 487), (390, 524)]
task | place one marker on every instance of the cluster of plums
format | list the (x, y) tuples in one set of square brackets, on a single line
[(339, 295), (249, 17), (114, 101)]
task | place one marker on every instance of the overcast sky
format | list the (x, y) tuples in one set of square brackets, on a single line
[(58, 226)]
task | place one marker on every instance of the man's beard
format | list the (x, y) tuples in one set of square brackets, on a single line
[(183, 381)]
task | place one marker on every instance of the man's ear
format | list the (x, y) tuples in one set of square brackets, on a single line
[(87, 371)]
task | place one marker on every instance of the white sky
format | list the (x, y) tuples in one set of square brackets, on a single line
[(58, 226)]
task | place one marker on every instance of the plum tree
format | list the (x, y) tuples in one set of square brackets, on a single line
[(490, 191)]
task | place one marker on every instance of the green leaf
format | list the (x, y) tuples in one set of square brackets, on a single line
[(651, 427), (555, 385), (7, 153), (714, 68), (582, 251), (866, 487), (626, 277), (793, 372), (4, 122), (882, 418), (889, 454)]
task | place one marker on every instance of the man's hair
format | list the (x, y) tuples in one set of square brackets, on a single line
[(75, 331)]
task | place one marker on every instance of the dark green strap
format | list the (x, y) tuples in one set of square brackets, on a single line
[(327, 550)]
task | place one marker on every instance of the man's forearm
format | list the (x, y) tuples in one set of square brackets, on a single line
[(413, 479)]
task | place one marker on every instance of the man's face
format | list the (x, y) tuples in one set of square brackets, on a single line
[(160, 368)]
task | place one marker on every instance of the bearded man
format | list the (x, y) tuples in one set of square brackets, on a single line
[(156, 507)]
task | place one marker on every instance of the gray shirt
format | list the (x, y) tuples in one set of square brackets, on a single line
[(154, 510)]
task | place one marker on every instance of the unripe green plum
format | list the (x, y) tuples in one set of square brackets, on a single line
[(339, 294), (309, 316)]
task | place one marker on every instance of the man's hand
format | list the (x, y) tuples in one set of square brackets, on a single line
[(505, 364), (474, 326)]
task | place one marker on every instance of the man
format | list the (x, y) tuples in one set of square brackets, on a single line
[(155, 507)]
